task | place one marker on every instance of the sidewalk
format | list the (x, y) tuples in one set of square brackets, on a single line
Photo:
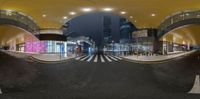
[(155, 58), (39, 57), (18, 54), (51, 57)]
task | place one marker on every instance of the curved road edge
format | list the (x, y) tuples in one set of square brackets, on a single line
[(157, 59)]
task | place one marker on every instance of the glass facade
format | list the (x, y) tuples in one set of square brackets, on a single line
[(126, 29), (107, 29), (20, 47), (117, 49), (46, 46), (144, 41)]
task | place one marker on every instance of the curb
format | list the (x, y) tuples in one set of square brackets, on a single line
[(48, 62), (154, 62), (148, 62)]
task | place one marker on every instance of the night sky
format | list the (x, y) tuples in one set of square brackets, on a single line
[(91, 25)]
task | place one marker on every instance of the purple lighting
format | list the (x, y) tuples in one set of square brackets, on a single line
[(38, 46)]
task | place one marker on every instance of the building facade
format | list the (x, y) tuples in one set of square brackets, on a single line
[(103, 28), (145, 41)]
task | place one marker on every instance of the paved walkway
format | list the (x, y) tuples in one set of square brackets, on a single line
[(41, 57), (57, 57), (18, 54), (51, 57), (156, 58)]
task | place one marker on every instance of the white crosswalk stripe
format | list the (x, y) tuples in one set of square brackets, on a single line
[(98, 58), (113, 58), (90, 58), (102, 60), (80, 57), (108, 59), (85, 58), (118, 57)]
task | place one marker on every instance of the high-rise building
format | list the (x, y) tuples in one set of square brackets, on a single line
[(103, 28)]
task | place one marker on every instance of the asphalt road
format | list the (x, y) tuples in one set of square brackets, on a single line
[(122, 79)]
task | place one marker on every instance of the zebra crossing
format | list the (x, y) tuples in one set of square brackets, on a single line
[(98, 58)]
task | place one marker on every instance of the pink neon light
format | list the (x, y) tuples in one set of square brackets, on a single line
[(38, 46)]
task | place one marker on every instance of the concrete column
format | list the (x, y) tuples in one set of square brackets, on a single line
[(163, 48), (12, 45), (65, 44), (167, 47), (172, 46), (188, 46)]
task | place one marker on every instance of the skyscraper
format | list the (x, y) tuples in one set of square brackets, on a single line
[(103, 28)]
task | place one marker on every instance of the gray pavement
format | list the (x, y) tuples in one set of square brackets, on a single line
[(75, 79)]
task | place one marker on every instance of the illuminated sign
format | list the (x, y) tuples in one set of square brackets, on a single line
[(141, 33)]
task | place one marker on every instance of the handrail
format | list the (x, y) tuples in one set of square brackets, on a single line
[(30, 24), (177, 17)]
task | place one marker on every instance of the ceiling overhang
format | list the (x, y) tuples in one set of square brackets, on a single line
[(143, 13)]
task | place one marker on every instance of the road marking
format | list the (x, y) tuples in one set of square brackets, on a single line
[(85, 58), (96, 58), (113, 58), (108, 58), (102, 60), (196, 87), (80, 57), (1, 91), (117, 57), (90, 58)]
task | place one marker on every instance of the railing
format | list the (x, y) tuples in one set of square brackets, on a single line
[(29, 24), (177, 17)]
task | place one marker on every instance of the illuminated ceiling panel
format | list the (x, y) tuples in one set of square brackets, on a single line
[(146, 13)]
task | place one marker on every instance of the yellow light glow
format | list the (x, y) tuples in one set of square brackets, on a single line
[(72, 13), (86, 9), (108, 9)]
